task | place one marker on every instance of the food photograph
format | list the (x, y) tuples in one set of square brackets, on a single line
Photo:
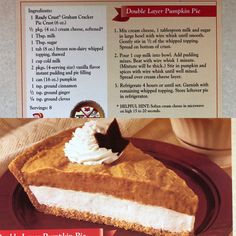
[(124, 176)]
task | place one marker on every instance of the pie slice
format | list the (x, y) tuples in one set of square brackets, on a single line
[(134, 192)]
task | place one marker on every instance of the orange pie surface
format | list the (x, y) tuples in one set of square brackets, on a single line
[(134, 176)]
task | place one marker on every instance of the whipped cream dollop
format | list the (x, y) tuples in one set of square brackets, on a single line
[(84, 149)]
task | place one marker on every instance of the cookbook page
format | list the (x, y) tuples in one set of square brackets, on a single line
[(123, 59)]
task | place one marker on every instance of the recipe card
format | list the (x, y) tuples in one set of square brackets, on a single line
[(123, 59)]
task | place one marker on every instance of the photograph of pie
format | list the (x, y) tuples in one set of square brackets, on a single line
[(96, 175)]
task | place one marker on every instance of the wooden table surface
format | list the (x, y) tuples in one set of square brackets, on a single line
[(7, 125)]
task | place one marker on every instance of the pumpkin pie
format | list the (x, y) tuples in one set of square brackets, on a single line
[(133, 191)]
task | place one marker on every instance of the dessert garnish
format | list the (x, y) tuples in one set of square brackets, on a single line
[(84, 149), (112, 139)]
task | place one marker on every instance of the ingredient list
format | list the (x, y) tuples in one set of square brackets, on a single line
[(66, 58)]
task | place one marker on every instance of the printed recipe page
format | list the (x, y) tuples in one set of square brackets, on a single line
[(124, 59)]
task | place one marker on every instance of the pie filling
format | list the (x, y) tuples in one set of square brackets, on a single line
[(116, 208)]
